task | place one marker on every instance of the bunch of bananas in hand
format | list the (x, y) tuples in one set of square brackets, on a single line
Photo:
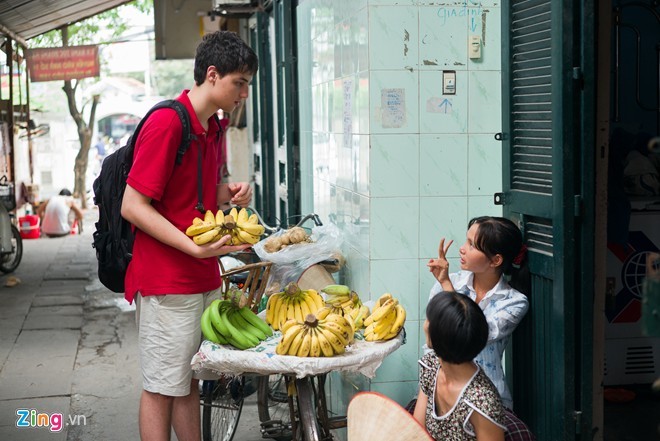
[(315, 337), (340, 296), (386, 319), (241, 226), (224, 322), (292, 303)]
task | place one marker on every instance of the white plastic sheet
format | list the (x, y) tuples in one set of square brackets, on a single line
[(362, 356)]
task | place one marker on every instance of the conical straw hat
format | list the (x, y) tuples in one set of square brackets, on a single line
[(372, 416)]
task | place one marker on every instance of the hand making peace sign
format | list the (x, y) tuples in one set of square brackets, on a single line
[(440, 267)]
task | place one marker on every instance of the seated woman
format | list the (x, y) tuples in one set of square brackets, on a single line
[(456, 400), (54, 214)]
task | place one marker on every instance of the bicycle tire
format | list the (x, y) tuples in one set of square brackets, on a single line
[(10, 261), (222, 403), (311, 430), (273, 407)]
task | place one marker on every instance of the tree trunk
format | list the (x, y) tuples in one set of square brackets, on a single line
[(85, 132)]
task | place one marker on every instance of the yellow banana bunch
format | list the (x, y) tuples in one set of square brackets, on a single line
[(292, 303), (386, 319), (224, 322), (315, 338), (241, 226), (340, 296)]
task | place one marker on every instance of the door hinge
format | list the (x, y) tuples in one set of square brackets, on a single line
[(498, 198), (577, 415), (577, 205), (578, 76)]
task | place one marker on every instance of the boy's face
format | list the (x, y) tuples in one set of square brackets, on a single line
[(230, 90)]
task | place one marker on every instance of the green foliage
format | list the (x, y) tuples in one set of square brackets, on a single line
[(170, 77), (107, 25)]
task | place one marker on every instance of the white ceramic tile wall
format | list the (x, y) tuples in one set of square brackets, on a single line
[(389, 157)]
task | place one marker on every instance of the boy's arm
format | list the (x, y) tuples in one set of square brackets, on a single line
[(137, 209)]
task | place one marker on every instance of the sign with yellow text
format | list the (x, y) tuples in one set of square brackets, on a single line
[(63, 63)]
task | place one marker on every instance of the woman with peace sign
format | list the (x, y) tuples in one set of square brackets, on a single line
[(493, 250)]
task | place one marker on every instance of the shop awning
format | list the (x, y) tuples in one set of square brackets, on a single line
[(24, 19)]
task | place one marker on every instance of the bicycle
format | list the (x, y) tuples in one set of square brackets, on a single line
[(11, 242), (222, 400)]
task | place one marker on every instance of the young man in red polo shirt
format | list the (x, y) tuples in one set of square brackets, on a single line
[(170, 277)]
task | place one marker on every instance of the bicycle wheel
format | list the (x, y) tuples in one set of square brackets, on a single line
[(222, 403), (9, 262), (273, 407), (311, 430)]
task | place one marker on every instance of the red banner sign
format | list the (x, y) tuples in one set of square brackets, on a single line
[(63, 63)]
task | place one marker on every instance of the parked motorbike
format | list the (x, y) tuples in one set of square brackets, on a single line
[(11, 243)]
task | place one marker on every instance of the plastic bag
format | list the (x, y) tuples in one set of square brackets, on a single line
[(289, 263)]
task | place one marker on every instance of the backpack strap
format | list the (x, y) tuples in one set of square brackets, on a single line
[(186, 138)]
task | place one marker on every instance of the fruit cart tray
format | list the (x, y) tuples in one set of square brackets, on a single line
[(362, 356)]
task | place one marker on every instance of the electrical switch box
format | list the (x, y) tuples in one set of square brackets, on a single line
[(474, 47), (449, 82)]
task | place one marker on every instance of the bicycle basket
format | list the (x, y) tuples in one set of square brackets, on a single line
[(250, 279), (7, 194)]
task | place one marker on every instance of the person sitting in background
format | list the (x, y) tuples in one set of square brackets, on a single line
[(54, 214)]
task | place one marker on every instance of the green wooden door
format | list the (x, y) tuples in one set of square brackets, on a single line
[(275, 122), (543, 184)]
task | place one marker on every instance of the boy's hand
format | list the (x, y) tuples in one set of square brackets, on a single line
[(440, 267), (219, 248), (241, 193)]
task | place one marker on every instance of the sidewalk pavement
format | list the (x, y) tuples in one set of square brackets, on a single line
[(69, 346)]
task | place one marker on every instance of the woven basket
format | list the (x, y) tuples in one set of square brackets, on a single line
[(253, 288)]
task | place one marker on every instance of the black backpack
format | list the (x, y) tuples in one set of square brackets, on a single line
[(113, 238)]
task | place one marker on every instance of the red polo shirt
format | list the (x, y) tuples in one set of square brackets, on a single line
[(157, 268)]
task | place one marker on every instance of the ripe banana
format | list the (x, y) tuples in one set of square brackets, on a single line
[(322, 313), (253, 219), (315, 345), (251, 229), (246, 237), (242, 216), (196, 229), (206, 237), (335, 341), (220, 218), (270, 309), (209, 217), (340, 332), (386, 326), (197, 221), (326, 348), (382, 299), (233, 213), (306, 344), (283, 346), (398, 323), (383, 310)]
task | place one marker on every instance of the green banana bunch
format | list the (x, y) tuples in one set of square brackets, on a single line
[(237, 326)]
